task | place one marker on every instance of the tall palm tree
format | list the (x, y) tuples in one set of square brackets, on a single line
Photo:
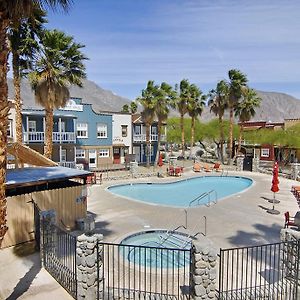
[(12, 12), (218, 101), (148, 100), (164, 100), (195, 106), (245, 110), (181, 104), (23, 43), (133, 107), (237, 84), (59, 64)]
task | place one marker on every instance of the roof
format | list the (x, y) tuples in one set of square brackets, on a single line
[(37, 176)]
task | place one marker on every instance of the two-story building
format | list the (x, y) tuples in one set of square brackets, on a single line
[(139, 139)]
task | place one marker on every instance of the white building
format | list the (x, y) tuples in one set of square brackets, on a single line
[(121, 136)]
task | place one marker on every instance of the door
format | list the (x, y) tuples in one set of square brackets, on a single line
[(92, 159), (247, 165), (117, 156)]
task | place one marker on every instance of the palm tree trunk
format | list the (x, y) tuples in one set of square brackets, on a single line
[(192, 135), (4, 110), (158, 142), (240, 137), (230, 137), (49, 131), (148, 145), (221, 139), (18, 107), (182, 134)]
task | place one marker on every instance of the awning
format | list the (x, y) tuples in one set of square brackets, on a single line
[(120, 145)]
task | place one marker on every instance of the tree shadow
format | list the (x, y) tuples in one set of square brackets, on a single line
[(263, 234)]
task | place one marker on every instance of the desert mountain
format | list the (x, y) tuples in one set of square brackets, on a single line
[(274, 107), (101, 99)]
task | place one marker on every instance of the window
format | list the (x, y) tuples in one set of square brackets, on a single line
[(9, 129), (62, 126), (101, 131), (104, 153), (80, 153), (124, 130), (31, 126), (265, 152), (63, 157), (82, 130)]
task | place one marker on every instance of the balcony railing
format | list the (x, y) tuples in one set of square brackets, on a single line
[(57, 137), (68, 164), (139, 138)]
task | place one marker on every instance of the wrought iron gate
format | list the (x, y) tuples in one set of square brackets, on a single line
[(140, 272), (59, 255), (266, 272)]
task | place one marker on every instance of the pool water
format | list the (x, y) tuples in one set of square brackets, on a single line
[(182, 193), (157, 249)]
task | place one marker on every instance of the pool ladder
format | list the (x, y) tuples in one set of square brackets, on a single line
[(203, 195)]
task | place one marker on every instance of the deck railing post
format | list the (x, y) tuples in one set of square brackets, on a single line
[(88, 266), (204, 269)]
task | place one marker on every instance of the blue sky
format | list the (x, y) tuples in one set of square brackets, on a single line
[(129, 42)]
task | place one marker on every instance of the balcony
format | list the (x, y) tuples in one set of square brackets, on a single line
[(141, 138), (57, 137)]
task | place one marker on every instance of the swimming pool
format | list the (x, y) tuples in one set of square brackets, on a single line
[(157, 248), (182, 193)]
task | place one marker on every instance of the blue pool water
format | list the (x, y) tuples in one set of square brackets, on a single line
[(181, 193), (157, 249)]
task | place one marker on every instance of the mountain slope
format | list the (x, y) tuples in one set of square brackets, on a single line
[(101, 99)]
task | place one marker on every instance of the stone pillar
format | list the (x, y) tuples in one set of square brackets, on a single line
[(89, 266), (255, 164), (295, 170), (239, 163), (204, 272), (47, 234)]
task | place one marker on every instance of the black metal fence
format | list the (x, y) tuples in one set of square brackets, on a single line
[(260, 272), (59, 255), (139, 272)]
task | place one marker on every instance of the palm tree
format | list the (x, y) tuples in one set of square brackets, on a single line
[(164, 100), (195, 107), (12, 12), (237, 84), (218, 100), (59, 64), (182, 106), (245, 110), (125, 108), (22, 38), (133, 107), (148, 100)]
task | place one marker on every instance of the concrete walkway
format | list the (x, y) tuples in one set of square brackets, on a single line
[(238, 220)]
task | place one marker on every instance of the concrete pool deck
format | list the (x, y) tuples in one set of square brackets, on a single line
[(236, 221)]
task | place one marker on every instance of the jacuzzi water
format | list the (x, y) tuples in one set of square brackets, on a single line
[(157, 249), (181, 193)]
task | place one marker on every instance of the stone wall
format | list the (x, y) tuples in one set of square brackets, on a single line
[(204, 272), (89, 266)]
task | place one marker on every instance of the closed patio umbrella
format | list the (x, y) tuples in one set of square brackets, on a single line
[(274, 189), (160, 160)]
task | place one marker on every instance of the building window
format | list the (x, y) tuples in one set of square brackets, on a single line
[(63, 157), (10, 129), (104, 153), (124, 130), (82, 130), (31, 126), (80, 153), (101, 131), (265, 152)]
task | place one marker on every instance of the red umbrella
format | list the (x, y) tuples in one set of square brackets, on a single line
[(160, 160), (275, 187)]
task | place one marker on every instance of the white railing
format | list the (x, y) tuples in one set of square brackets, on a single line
[(38, 137), (68, 164), (142, 137)]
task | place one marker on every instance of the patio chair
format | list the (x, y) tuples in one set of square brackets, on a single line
[(196, 167), (171, 171), (207, 168), (289, 221), (217, 167)]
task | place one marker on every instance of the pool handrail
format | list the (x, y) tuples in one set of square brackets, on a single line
[(200, 197)]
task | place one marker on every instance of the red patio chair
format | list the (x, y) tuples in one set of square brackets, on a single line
[(289, 221)]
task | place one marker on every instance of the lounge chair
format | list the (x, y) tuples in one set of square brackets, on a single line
[(289, 221), (217, 167), (196, 167), (171, 171), (207, 168)]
